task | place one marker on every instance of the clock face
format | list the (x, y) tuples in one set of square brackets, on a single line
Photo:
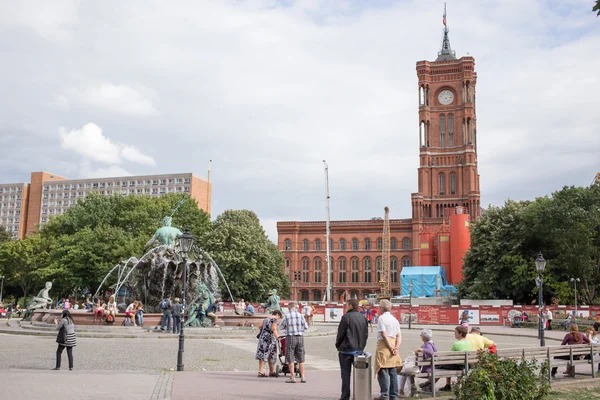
[(446, 97)]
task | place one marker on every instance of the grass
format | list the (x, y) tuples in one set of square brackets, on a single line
[(576, 394)]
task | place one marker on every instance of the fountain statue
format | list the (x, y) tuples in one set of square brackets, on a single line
[(196, 313), (272, 303), (159, 273), (41, 301)]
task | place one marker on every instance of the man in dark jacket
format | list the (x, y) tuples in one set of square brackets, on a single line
[(351, 340)]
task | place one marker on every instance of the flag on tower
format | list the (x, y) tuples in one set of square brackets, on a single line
[(444, 20)]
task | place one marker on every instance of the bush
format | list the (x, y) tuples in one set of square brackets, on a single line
[(504, 379)]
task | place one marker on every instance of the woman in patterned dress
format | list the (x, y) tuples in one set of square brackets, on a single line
[(267, 344)]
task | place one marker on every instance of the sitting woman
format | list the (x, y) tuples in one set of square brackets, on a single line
[(111, 309), (427, 349), (267, 344), (571, 338), (100, 308)]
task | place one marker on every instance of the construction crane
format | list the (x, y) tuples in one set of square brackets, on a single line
[(384, 280)]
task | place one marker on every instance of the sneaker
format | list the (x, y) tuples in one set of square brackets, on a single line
[(446, 388)]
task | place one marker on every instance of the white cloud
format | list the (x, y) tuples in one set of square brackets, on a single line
[(122, 99), (90, 142)]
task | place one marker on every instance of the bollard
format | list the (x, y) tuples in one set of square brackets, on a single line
[(362, 377)]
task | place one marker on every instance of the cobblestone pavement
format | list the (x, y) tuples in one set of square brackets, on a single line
[(112, 368)]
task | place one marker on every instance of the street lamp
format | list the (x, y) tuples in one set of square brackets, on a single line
[(574, 280), (186, 242), (410, 289), (540, 264)]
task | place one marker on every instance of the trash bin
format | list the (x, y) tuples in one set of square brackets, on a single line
[(363, 377)]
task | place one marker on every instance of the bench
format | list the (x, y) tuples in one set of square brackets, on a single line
[(556, 356)]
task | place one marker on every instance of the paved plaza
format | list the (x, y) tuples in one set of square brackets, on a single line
[(142, 367)]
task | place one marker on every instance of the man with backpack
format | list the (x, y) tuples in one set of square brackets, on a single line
[(166, 307)]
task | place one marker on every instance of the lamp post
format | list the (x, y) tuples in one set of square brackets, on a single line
[(410, 289), (1, 288), (574, 280), (186, 242), (540, 264)]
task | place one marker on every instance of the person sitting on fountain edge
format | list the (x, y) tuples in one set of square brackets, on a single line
[(211, 312), (249, 309)]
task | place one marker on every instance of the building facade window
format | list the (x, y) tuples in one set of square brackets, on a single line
[(442, 179), (405, 261), (317, 295), (317, 263), (330, 244), (287, 266), (304, 295), (354, 269), (288, 244), (452, 183), (305, 269), (367, 269), (342, 244), (318, 244), (379, 244), (367, 244), (450, 130), (342, 270), (393, 244), (442, 130), (393, 269), (305, 244), (354, 244), (406, 244)]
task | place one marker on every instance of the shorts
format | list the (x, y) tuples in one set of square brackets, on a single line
[(294, 349)]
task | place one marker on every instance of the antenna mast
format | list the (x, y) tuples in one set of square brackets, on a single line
[(327, 228), (384, 279)]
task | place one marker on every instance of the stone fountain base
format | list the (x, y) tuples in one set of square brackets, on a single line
[(83, 317)]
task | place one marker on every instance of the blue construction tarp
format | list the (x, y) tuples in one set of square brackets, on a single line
[(425, 280)]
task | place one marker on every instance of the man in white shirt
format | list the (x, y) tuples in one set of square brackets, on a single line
[(387, 358), (307, 311)]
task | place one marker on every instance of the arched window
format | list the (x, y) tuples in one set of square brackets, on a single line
[(305, 244), (452, 183), (379, 243), (406, 244), (331, 274), (342, 270), (450, 130), (367, 268), (288, 244), (379, 264), (342, 244), (304, 295), (305, 269), (330, 244), (287, 266), (405, 261), (442, 183), (317, 264), (393, 269), (354, 244), (354, 269), (442, 130), (367, 244), (318, 244), (317, 295), (393, 244)]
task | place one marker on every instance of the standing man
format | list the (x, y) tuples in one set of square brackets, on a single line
[(166, 307), (351, 340), (294, 325), (387, 358), (176, 311)]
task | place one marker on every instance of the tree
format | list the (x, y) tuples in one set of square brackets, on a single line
[(249, 261), (597, 7), (5, 235)]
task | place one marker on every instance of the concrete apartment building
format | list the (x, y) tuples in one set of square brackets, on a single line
[(26, 206)]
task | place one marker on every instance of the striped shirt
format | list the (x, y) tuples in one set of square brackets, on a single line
[(71, 340), (293, 323)]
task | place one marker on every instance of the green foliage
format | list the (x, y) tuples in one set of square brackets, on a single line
[(504, 379), (506, 240), (597, 7), (250, 262), (5, 235)]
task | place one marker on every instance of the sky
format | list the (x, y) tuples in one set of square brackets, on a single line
[(267, 90)]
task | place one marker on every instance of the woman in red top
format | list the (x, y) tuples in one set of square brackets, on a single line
[(571, 338)]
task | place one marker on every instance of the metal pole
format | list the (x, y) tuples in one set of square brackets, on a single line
[(181, 335), (410, 309), (574, 283), (327, 228), (2, 288), (541, 319)]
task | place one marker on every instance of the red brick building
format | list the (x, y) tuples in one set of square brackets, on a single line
[(448, 196)]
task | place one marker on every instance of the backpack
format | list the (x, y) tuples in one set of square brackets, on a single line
[(164, 304)]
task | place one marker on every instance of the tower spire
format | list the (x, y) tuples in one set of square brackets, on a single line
[(446, 53)]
